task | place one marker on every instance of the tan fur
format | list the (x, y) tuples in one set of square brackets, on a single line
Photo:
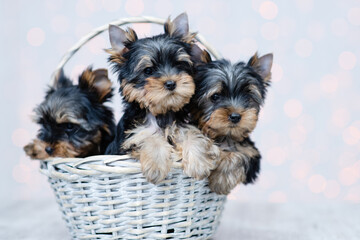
[(144, 62), (220, 125), (61, 117), (182, 56), (229, 173), (96, 81), (198, 152), (255, 90), (116, 56), (231, 170), (131, 94), (215, 89), (205, 56), (36, 149), (131, 35), (159, 100), (153, 151)]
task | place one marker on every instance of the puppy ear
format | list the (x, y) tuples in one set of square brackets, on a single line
[(199, 56), (119, 38), (96, 82), (262, 65), (179, 28), (61, 80)]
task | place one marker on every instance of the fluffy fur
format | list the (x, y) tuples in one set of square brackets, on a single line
[(73, 118), (226, 107), (156, 79)]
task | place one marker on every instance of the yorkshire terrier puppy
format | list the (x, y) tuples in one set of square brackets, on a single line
[(226, 106), (73, 118), (156, 82)]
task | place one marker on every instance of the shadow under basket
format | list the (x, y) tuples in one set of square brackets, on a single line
[(107, 197)]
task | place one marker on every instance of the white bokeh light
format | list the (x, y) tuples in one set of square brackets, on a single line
[(329, 83), (35, 36), (317, 183), (354, 16), (347, 60), (268, 10)]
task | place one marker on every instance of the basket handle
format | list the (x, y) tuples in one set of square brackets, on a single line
[(120, 22)]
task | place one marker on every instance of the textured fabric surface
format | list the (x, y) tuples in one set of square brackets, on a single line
[(31, 220)]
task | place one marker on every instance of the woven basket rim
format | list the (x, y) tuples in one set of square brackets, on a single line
[(72, 168)]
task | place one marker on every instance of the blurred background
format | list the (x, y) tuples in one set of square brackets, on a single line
[(309, 129)]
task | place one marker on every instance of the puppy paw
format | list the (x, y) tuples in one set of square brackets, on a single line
[(199, 153), (229, 173), (155, 159), (197, 168), (222, 183), (196, 161)]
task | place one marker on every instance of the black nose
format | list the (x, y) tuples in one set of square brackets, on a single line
[(49, 150), (170, 85), (234, 117)]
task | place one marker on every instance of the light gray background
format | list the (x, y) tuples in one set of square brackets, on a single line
[(309, 129)]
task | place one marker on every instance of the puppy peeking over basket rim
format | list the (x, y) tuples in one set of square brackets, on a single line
[(182, 129)]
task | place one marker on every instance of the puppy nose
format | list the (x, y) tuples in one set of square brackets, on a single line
[(49, 150), (170, 85), (234, 117)]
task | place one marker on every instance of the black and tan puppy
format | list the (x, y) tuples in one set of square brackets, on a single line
[(226, 107), (73, 118), (156, 82)]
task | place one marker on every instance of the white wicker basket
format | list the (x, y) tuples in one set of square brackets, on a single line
[(107, 197)]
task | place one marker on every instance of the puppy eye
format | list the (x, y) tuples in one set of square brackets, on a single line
[(215, 97), (148, 70), (70, 127)]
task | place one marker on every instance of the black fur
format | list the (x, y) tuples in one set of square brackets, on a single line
[(83, 106), (163, 50), (238, 82), (235, 80), (254, 167)]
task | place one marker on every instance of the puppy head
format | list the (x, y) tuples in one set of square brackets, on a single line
[(228, 97), (73, 120), (156, 72)]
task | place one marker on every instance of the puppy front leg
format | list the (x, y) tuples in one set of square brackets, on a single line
[(199, 154), (229, 173), (153, 151), (155, 158)]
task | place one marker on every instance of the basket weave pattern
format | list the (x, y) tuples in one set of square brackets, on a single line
[(107, 197)]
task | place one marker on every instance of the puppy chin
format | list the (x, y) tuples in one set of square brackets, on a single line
[(160, 101)]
